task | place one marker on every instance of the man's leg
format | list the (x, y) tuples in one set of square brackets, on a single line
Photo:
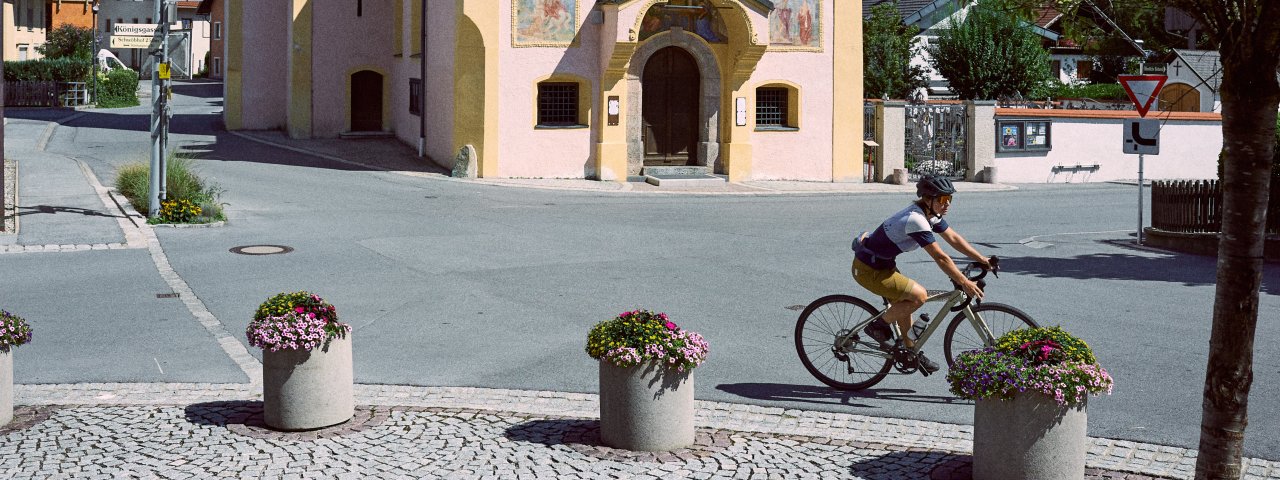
[(900, 312)]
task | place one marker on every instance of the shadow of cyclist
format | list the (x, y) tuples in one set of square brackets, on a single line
[(822, 395)]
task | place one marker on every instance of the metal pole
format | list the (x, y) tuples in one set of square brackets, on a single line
[(3, 197), (153, 203), (422, 90), (94, 95), (1140, 159), (164, 98)]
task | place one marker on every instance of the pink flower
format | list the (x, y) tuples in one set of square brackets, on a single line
[(670, 326)]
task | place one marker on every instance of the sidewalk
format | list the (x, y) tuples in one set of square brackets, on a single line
[(214, 430), (210, 430), (392, 155)]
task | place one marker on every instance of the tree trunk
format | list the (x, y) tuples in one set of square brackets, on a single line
[(1249, 99)]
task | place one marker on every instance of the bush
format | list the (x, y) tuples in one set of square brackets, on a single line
[(14, 331), (119, 88), (633, 338), (67, 41), (133, 181), (57, 70), (1045, 361), (296, 321)]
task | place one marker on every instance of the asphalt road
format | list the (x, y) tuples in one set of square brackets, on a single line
[(460, 284)]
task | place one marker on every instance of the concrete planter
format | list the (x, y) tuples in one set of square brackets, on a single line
[(1030, 436), (646, 408), (6, 386), (307, 390)]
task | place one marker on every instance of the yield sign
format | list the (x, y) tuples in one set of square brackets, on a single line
[(1142, 90)]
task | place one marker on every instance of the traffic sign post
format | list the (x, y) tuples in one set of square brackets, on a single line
[(1142, 136)]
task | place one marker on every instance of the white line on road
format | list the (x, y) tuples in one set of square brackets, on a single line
[(158, 365), (1031, 242)]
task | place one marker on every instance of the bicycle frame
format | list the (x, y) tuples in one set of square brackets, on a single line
[(950, 299)]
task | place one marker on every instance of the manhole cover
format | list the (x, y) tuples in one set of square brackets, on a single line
[(261, 249)]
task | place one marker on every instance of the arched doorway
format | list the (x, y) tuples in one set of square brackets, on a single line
[(671, 86), (366, 101), (1179, 97)]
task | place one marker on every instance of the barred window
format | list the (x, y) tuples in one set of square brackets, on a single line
[(557, 104), (415, 96), (771, 107)]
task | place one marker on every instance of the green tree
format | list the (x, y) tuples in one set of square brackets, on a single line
[(888, 46), (990, 54), (68, 41)]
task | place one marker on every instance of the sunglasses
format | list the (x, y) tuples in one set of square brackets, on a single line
[(945, 200)]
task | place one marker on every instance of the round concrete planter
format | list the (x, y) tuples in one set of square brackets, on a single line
[(307, 390), (1030, 436), (646, 408), (6, 386)]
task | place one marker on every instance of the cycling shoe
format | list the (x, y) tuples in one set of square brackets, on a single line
[(880, 332)]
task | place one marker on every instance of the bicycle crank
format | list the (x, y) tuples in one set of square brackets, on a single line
[(905, 361)]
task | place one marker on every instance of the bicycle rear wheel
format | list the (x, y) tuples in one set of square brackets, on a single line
[(853, 366), (1000, 318)]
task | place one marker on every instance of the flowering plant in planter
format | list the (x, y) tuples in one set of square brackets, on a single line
[(635, 337), (1044, 360), (14, 331), (297, 321)]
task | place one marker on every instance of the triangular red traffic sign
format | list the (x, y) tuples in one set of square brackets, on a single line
[(1142, 89)]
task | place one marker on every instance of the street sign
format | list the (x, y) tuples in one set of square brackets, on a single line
[(1142, 90), (1141, 135), (139, 29), (135, 42)]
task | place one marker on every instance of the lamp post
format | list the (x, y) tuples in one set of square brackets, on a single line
[(94, 94)]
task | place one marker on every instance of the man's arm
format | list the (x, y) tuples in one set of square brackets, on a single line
[(949, 267), (958, 242)]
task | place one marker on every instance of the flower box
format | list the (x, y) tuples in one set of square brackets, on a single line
[(646, 380), (14, 331), (307, 378), (1031, 392)]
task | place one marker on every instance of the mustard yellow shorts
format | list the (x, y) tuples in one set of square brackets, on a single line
[(890, 284)]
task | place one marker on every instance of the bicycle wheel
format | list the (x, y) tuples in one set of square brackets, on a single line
[(853, 366), (1000, 318)]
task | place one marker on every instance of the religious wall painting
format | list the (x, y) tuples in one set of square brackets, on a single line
[(796, 25), (695, 16), (544, 23)]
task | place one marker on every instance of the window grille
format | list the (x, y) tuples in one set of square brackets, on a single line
[(557, 104), (415, 96), (771, 107)]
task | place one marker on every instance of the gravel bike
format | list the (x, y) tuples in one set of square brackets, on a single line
[(834, 348)]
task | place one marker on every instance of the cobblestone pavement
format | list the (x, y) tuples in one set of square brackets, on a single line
[(215, 430)]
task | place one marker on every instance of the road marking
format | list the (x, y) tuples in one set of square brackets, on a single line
[(1031, 242), (158, 365)]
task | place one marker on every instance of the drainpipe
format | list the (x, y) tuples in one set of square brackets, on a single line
[(422, 90)]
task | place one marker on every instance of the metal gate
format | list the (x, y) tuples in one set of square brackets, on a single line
[(935, 140)]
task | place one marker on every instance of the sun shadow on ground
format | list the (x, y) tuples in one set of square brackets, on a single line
[(224, 413), (53, 210), (914, 463), (1184, 269), (779, 392)]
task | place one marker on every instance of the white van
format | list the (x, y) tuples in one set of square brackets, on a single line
[(107, 61)]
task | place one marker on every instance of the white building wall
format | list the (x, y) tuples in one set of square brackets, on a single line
[(1188, 150)]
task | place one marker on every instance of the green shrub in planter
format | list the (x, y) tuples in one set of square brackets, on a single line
[(119, 88)]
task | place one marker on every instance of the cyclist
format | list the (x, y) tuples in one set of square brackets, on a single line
[(875, 269)]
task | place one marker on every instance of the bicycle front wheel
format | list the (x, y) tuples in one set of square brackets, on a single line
[(1000, 318), (828, 351)]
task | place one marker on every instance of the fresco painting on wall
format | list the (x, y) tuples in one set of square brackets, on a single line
[(796, 23), (544, 22), (697, 16)]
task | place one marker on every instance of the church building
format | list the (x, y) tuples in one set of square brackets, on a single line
[(597, 89)]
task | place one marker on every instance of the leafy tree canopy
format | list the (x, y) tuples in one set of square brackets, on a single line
[(68, 41), (992, 53), (888, 46)]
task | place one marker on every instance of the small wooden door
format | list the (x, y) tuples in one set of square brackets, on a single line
[(670, 108), (366, 101), (1179, 97)]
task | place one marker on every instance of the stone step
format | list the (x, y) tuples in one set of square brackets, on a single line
[(676, 170), (359, 135), (685, 180)]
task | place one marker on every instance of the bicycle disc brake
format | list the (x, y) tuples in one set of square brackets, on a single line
[(904, 360)]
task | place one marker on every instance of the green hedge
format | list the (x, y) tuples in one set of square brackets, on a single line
[(118, 89), (58, 70), (1096, 91)]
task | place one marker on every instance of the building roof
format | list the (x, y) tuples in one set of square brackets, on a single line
[(206, 7), (1205, 64)]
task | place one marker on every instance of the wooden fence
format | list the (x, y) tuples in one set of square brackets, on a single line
[(1194, 206), (31, 94)]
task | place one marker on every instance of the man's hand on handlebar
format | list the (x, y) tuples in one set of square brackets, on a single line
[(971, 289)]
